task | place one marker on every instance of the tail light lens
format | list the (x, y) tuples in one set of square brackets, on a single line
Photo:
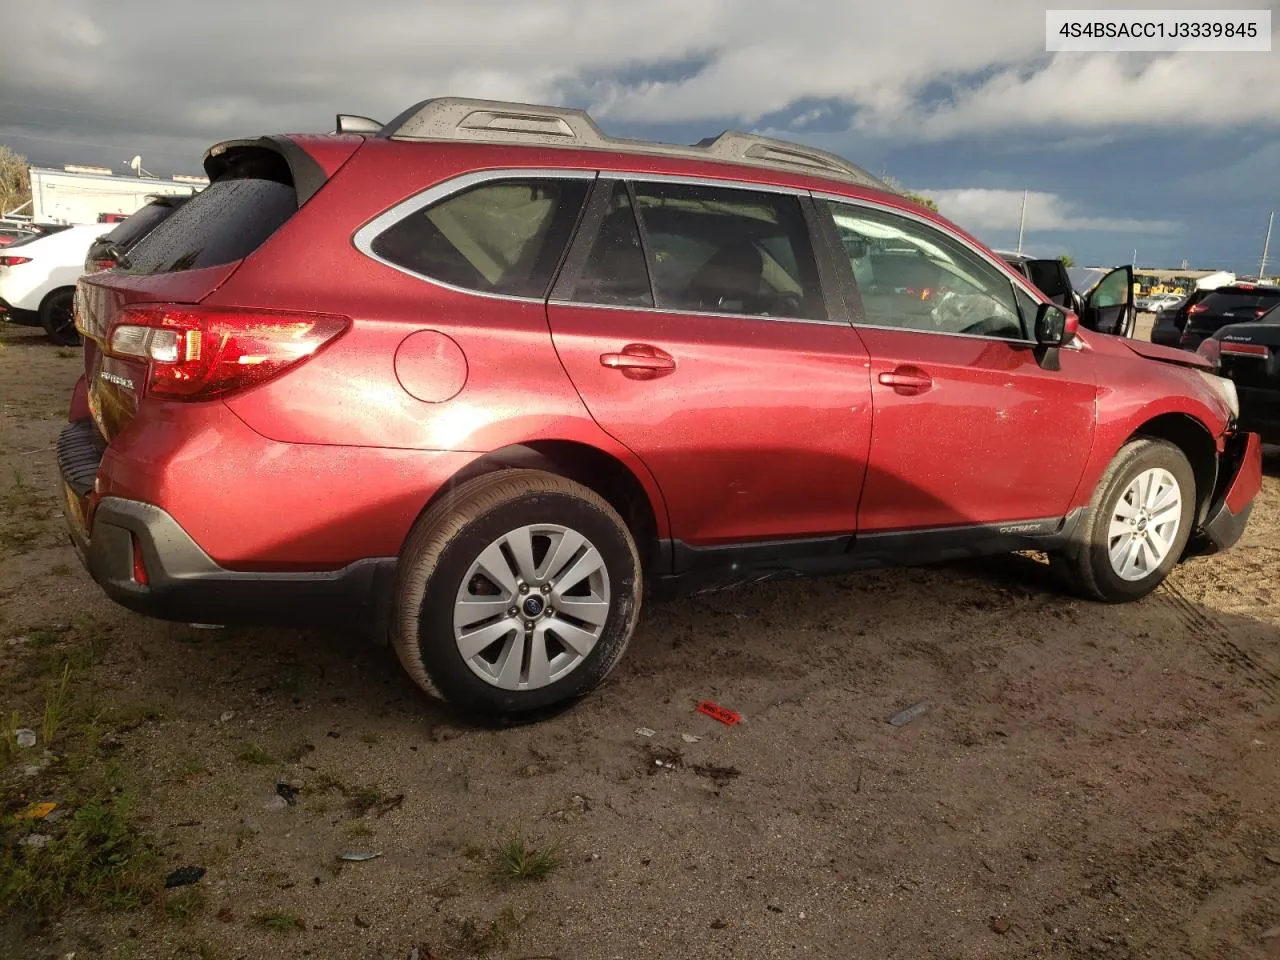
[(1244, 349), (201, 354), (1211, 351), (1197, 308), (97, 266), (13, 261)]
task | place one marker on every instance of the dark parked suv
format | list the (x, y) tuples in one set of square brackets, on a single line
[(486, 378)]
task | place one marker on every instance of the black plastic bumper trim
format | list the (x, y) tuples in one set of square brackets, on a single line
[(187, 586)]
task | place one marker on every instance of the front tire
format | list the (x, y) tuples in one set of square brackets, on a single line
[(516, 593), (1136, 527), (57, 316)]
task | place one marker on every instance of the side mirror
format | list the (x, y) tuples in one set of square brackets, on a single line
[(1054, 326)]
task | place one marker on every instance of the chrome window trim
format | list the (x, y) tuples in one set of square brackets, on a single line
[(677, 179), (699, 313), (363, 238)]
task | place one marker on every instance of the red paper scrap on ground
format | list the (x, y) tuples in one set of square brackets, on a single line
[(717, 712)]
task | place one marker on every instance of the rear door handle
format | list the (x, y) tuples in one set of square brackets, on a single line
[(639, 361), (907, 381)]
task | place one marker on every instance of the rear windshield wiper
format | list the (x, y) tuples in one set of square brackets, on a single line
[(118, 256)]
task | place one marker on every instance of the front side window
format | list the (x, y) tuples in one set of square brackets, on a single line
[(913, 276), (726, 250), (503, 237)]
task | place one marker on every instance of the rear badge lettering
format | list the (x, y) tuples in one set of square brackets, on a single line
[(123, 382)]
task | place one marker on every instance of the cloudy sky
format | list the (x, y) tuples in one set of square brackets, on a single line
[(1172, 155)]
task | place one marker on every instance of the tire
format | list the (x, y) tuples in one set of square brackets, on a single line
[(1087, 564), (440, 568), (58, 318)]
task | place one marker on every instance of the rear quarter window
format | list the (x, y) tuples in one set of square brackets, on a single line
[(225, 222), (504, 237)]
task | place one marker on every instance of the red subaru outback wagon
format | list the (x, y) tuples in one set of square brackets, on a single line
[(485, 378)]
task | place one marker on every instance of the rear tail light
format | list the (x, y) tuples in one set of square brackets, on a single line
[(200, 354), (1209, 349), (1243, 349), (1262, 311), (13, 261), (97, 266), (1197, 308)]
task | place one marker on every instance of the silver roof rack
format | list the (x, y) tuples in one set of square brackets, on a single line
[(494, 121)]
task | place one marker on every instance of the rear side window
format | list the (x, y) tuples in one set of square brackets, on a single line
[(728, 250), (504, 237), (1223, 301), (615, 271), (226, 222)]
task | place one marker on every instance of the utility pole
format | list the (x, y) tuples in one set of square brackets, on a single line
[(1266, 248), (1022, 221)]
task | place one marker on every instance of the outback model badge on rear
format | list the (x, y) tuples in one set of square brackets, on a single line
[(123, 382)]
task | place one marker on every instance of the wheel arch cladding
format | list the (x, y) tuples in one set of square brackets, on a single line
[(593, 468), (1194, 439)]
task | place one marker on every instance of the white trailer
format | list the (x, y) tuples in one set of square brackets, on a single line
[(84, 194)]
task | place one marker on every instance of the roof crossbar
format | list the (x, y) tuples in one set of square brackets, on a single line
[(494, 121)]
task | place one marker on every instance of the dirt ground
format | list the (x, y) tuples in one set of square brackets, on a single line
[(1087, 781)]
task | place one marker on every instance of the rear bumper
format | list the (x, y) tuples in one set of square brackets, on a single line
[(12, 314), (1239, 481), (1260, 412), (184, 584)]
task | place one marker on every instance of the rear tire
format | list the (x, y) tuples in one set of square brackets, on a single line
[(1136, 526), (57, 316), (547, 548)]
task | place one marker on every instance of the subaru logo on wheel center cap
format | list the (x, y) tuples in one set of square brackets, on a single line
[(532, 606)]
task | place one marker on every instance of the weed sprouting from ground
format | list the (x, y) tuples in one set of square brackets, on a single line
[(515, 860), (252, 753), (278, 922), (55, 705)]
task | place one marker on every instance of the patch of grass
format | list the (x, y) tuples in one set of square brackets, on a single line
[(191, 766), (9, 736), (358, 828), (252, 753), (515, 860), (360, 799), (185, 904), (94, 856), (364, 799), (61, 569), (56, 697), (278, 922), (244, 835), (479, 938)]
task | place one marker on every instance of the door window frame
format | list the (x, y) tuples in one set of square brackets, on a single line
[(853, 297), (597, 204)]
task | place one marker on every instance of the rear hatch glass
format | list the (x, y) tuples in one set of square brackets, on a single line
[(1223, 307), (226, 222), (181, 261), (128, 232)]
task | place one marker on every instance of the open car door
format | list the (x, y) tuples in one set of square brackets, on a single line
[(1050, 276), (1108, 307)]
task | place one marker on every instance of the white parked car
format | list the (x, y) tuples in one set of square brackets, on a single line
[(1162, 301), (38, 280)]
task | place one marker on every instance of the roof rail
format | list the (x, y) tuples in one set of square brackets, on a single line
[(495, 121)]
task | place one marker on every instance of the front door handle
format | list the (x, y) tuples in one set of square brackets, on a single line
[(639, 361), (907, 381)]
